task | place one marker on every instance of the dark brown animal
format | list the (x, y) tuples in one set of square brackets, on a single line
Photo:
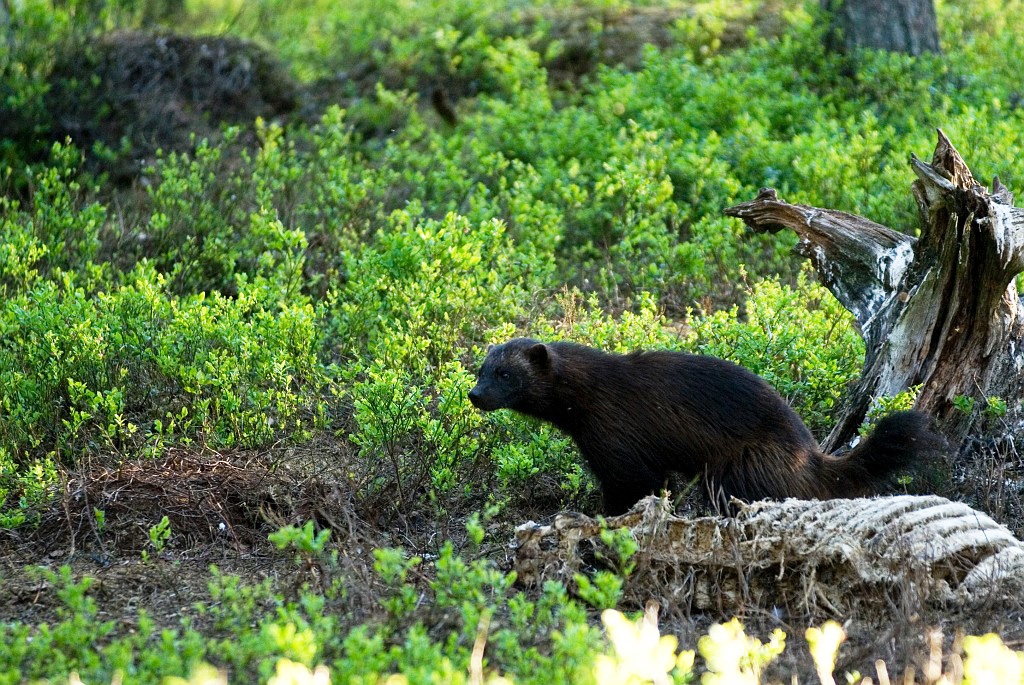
[(639, 416)]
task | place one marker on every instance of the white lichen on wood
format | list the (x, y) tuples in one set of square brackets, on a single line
[(805, 555)]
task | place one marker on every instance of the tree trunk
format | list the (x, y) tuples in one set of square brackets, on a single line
[(898, 25), (941, 311), (5, 21)]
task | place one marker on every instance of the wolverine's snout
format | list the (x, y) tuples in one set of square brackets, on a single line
[(482, 399)]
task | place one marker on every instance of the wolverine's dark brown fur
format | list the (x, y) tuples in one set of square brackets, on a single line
[(639, 416)]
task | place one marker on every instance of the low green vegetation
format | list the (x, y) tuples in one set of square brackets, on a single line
[(540, 639), (335, 276)]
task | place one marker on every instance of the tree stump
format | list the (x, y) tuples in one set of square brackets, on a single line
[(941, 311)]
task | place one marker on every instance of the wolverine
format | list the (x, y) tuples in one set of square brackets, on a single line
[(640, 416)]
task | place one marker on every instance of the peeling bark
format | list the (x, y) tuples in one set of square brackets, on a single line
[(941, 311)]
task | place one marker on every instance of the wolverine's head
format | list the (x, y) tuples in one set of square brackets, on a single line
[(511, 375)]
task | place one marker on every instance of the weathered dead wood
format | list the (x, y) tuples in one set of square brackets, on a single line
[(941, 311), (807, 556)]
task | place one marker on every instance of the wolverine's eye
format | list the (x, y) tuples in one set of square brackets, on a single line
[(504, 375)]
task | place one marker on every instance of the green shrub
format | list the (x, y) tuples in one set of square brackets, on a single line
[(544, 637), (344, 273), (136, 365), (59, 230), (425, 286)]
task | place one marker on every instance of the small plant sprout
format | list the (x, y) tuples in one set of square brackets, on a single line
[(824, 643), (100, 518), (601, 592), (964, 403), (291, 673), (640, 653), (623, 545), (733, 658), (995, 407), (310, 547), (159, 534), (303, 540), (604, 589), (474, 529)]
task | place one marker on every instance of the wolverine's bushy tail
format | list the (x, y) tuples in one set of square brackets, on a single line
[(899, 442)]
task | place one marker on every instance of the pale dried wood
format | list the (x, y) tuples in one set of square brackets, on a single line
[(941, 311), (805, 555)]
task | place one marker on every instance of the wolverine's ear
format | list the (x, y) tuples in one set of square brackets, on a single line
[(489, 348), (538, 355)]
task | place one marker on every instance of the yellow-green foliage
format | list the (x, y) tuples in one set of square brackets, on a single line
[(331, 278), (344, 273), (637, 654)]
